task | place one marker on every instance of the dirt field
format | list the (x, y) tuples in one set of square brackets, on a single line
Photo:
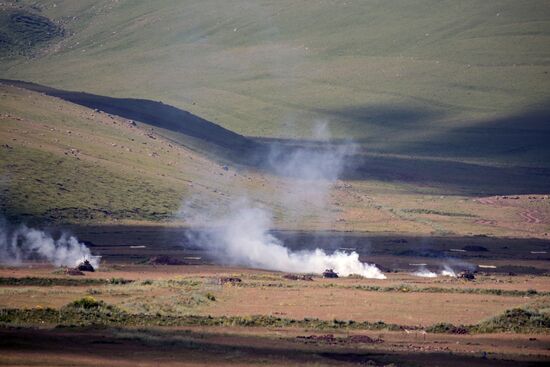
[(194, 290), (392, 320), (267, 293), (339, 304)]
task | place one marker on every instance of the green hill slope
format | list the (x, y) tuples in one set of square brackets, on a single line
[(61, 162), (447, 100), (467, 80)]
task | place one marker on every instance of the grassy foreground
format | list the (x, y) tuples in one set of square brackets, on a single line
[(89, 311)]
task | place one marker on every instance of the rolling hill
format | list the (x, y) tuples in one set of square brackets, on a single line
[(460, 80), (62, 162), (126, 109)]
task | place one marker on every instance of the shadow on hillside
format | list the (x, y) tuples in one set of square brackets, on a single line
[(527, 134), (149, 112), (386, 116), (441, 176), (520, 141), (454, 177), (521, 137)]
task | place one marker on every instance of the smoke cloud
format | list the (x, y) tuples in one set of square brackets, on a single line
[(424, 273), (311, 171), (448, 271), (240, 234), (243, 238), (22, 243)]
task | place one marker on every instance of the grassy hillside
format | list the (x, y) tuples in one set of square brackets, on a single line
[(466, 80), (63, 162), (447, 101)]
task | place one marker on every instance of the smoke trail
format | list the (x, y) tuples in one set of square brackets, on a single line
[(243, 238), (310, 171), (23, 243)]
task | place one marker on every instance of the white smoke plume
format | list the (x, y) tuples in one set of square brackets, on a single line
[(424, 273), (324, 161), (448, 271), (310, 171), (23, 243), (243, 238), (239, 235)]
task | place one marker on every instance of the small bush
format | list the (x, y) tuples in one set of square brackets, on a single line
[(48, 282), (211, 297), (87, 302), (447, 328), (515, 320), (119, 281)]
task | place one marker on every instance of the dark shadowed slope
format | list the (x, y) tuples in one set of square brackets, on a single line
[(23, 32), (152, 113), (518, 139)]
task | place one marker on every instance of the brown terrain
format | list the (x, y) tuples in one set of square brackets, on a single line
[(245, 347), (271, 294)]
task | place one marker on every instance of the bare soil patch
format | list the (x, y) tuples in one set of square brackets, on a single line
[(350, 304)]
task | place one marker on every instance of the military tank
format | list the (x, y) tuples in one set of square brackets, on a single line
[(85, 266), (329, 273)]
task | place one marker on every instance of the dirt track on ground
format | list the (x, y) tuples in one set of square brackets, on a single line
[(530, 216)]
